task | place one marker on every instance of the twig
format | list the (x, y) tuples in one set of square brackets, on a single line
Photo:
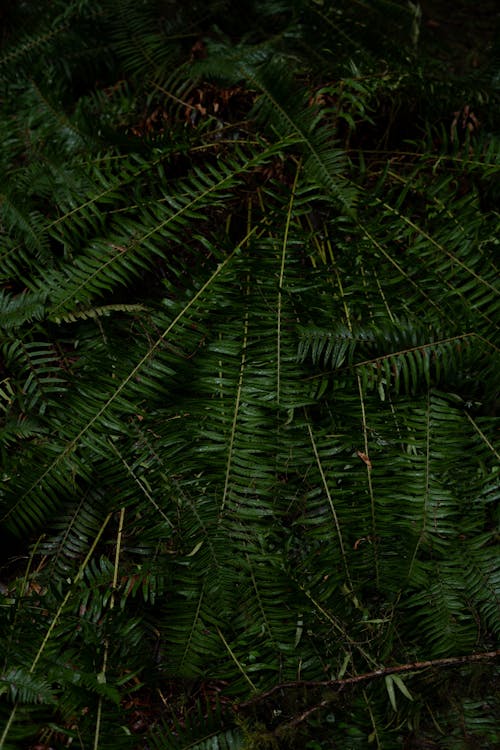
[(415, 666)]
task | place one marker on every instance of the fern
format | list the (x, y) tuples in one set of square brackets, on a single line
[(204, 734), (248, 381)]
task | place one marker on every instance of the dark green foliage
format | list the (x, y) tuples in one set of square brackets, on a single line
[(249, 316)]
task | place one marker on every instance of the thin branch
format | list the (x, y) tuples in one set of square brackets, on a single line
[(281, 278), (332, 506), (234, 658), (482, 435), (101, 677), (415, 666), (239, 388)]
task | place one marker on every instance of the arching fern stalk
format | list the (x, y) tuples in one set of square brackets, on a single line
[(248, 387)]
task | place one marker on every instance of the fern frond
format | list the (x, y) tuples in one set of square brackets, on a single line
[(203, 731), (22, 685), (15, 310)]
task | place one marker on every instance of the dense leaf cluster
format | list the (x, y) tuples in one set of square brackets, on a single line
[(249, 314)]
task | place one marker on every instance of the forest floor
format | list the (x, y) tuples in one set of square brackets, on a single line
[(461, 33)]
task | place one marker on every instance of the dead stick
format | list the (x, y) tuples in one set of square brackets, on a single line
[(382, 672)]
